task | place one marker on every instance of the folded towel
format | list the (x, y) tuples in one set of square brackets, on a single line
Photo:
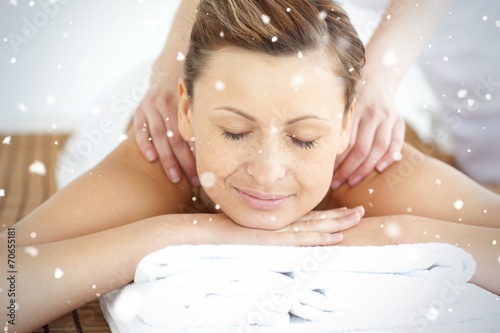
[(240, 288)]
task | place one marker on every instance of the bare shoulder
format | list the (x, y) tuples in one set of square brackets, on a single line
[(122, 189)]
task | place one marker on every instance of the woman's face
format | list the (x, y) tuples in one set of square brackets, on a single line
[(266, 131)]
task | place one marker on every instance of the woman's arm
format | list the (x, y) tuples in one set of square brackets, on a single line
[(482, 243), (423, 186), (53, 279)]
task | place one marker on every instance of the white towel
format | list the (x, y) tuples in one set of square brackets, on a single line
[(241, 288)]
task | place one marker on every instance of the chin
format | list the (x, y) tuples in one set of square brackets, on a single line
[(264, 220)]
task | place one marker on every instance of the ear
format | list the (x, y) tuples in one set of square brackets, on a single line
[(345, 134), (184, 117)]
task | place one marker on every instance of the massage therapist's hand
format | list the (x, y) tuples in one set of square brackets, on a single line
[(377, 136), (156, 130)]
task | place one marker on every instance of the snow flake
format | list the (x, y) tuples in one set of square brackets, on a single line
[(65, 34), (288, 10), (300, 55), (470, 102), (195, 222), (50, 100), (180, 56), (485, 211), (274, 39), (32, 3), (2, 193), (122, 137), (390, 59), (13, 2), (297, 80), (94, 286), (392, 230), (445, 59), (207, 179), (458, 204), (272, 218), (5, 39), (497, 23), (217, 206), (488, 97), (13, 60), (6, 140), (409, 210), (397, 156), (266, 19), (58, 273), (485, 18), (438, 182), (170, 134), (370, 191), (322, 15), (221, 34), (193, 198), (494, 242), (33, 234), (38, 168), (462, 93), (220, 86), (469, 150), (31, 250)]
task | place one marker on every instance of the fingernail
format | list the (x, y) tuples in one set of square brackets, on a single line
[(382, 166), (150, 155), (355, 180), (360, 210), (336, 238), (174, 176), (195, 181), (336, 185)]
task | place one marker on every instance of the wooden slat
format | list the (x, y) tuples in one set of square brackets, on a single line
[(24, 191)]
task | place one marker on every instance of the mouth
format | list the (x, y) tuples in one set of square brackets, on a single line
[(262, 201)]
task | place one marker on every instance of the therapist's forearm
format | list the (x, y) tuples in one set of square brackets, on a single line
[(178, 40), (405, 29)]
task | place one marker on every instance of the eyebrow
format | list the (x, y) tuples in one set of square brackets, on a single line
[(252, 118)]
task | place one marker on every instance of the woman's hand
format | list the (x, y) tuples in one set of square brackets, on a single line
[(157, 134), (377, 137), (316, 228)]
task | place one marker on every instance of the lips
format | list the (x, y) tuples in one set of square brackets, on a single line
[(262, 201)]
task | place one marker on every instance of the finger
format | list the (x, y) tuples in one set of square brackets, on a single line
[(158, 130), (357, 156), (327, 225), (326, 214), (380, 147), (142, 135), (394, 152), (185, 158), (180, 148)]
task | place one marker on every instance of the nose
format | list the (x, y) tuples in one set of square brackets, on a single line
[(268, 163)]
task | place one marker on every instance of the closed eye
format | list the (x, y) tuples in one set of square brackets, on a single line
[(234, 136), (303, 144)]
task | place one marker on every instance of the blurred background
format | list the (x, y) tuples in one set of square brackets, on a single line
[(58, 57)]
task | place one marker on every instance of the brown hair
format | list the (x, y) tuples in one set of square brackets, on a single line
[(278, 28)]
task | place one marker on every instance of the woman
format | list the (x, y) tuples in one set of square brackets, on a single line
[(265, 112)]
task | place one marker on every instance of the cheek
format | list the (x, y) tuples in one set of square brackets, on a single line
[(215, 158)]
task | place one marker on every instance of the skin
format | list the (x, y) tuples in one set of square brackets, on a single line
[(377, 132), (98, 228)]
